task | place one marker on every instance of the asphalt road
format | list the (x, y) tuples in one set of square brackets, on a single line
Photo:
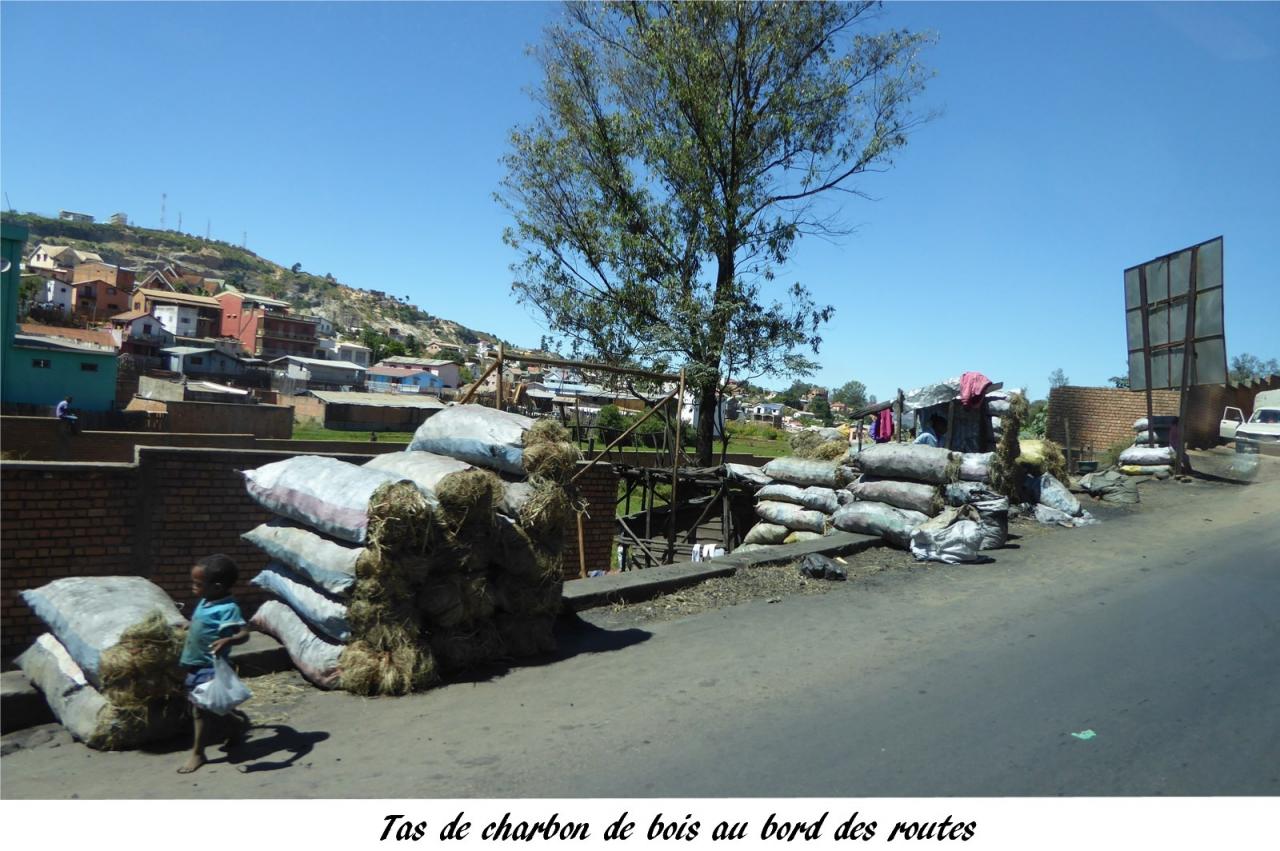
[(1159, 630)]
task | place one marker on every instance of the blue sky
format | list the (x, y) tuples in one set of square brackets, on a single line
[(364, 140)]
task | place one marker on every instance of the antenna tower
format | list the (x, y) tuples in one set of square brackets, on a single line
[(163, 198)]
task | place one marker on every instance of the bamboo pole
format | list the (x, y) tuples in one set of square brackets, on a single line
[(476, 387), (621, 437), (497, 399)]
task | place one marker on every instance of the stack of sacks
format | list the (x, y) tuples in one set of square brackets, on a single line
[(109, 666), (798, 503), (1155, 461), (904, 485), (469, 572), (824, 444), (348, 553)]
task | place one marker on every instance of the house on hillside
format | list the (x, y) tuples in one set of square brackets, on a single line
[(446, 370), (117, 276), (383, 378), (44, 363), (184, 315), (766, 412), (56, 294), (70, 216), (141, 335), (59, 261), (376, 411), (193, 360), (353, 353), (319, 374), (97, 300), (265, 326)]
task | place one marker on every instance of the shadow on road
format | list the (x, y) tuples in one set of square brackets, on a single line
[(250, 755), (574, 636)]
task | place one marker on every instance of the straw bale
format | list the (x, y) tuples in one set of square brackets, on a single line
[(386, 661), (400, 519), (546, 430), (556, 461), (468, 501), (143, 665), (462, 648)]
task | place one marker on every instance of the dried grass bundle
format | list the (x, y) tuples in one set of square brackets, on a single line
[(386, 661), (143, 665)]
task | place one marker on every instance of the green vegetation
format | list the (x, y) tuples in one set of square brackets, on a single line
[(310, 429), (679, 153)]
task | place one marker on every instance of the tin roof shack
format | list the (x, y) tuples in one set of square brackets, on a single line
[(375, 411), (320, 374), (970, 428)]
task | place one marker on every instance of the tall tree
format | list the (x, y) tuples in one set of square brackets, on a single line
[(681, 150), (852, 393), (1058, 378)]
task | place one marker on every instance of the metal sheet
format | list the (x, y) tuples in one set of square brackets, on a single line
[(1133, 328), (1209, 265), (1157, 281), (1211, 361), (1208, 313), (1180, 273), (1137, 371), (1132, 289)]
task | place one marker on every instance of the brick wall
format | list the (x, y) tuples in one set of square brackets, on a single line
[(599, 489), (154, 516), (1100, 417), (273, 421)]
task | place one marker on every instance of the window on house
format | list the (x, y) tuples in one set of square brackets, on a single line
[(146, 327), (196, 360), (40, 363), (88, 367)]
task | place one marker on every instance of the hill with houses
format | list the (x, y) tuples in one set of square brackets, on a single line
[(191, 264)]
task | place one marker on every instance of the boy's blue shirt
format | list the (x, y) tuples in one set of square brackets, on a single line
[(210, 621)]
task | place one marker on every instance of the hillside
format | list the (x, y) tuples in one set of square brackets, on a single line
[(347, 307)]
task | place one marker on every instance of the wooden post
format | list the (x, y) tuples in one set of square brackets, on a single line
[(1188, 367), (902, 438), (497, 399), (951, 423), (675, 473), (1066, 424), (1146, 342), (582, 550)]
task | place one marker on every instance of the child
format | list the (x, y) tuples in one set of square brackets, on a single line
[(216, 625)]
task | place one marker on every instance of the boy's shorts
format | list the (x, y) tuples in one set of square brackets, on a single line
[(196, 676)]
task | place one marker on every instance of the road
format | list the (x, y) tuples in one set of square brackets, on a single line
[(1158, 629)]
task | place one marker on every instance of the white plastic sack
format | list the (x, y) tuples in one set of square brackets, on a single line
[(324, 493), (801, 537), (325, 614), (806, 471), (793, 517), (1160, 471), (895, 525), (952, 544), (914, 462), (82, 709), (975, 466), (812, 498), (1055, 495), (224, 692), (328, 565), (1148, 456), (913, 496), (963, 493), (1052, 516), (766, 533), (993, 520), (746, 473), (482, 436), (88, 614), (313, 656), (424, 469)]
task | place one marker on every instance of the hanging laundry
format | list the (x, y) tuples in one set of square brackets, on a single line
[(884, 426), (973, 386)]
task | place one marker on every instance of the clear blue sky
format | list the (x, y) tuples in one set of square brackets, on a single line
[(364, 140)]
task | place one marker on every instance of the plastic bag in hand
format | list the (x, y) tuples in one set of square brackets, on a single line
[(224, 692)]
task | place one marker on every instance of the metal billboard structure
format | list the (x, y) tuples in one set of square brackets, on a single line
[(1174, 321)]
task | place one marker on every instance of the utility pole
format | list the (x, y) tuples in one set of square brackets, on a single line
[(179, 221), (208, 226), (163, 198)]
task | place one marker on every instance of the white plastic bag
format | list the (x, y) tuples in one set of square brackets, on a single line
[(224, 692)]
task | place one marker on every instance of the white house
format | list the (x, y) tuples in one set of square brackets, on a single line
[(56, 294), (189, 360), (178, 319), (47, 258), (353, 353)]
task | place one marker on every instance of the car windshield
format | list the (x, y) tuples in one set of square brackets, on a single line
[(1266, 415)]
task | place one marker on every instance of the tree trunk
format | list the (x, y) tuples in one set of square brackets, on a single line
[(706, 422)]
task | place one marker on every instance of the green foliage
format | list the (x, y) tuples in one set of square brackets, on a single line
[(1058, 378), (1245, 367), (675, 164), (853, 394), (1119, 381), (610, 419), (793, 396), (821, 409), (1037, 422)]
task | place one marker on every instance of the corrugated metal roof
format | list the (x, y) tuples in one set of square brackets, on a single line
[(376, 400), (338, 364)]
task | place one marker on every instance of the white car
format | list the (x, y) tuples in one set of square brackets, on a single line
[(1261, 432)]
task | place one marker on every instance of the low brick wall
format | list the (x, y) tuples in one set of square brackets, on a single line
[(267, 421), (1101, 417), (154, 516)]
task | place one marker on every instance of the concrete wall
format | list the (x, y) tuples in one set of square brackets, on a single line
[(269, 421), (1101, 417), (156, 515)]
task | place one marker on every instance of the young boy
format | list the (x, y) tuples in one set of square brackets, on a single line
[(216, 625)]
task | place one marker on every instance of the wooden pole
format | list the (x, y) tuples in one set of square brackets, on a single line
[(675, 473), (497, 399), (1146, 343), (951, 423), (476, 387), (582, 549), (1188, 367), (898, 425), (622, 436)]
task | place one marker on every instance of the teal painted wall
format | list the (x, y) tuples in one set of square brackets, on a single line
[(26, 384)]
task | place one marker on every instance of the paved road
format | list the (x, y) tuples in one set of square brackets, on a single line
[(1158, 630)]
